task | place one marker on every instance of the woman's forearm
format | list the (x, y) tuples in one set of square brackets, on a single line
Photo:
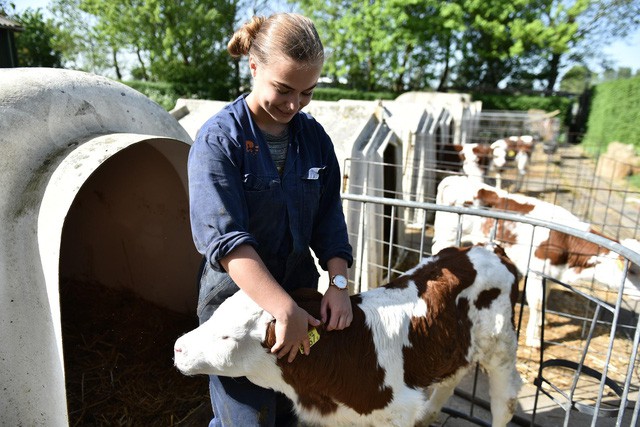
[(249, 272), (337, 265)]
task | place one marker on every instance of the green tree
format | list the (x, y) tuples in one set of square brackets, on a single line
[(610, 74), (526, 43), (187, 44), (435, 26), (577, 30), (36, 45), (554, 34), (83, 47), (576, 80), (114, 21), (183, 43), (625, 73), (381, 44), (353, 34), (490, 46)]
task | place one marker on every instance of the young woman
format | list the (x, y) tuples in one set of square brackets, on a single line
[(264, 186)]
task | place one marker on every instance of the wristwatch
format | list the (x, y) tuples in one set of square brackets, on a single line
[(339, 281)]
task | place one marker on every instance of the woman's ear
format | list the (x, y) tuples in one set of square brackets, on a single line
[(252, 66)]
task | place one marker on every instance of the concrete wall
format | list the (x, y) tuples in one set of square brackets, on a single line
[(93, 170)]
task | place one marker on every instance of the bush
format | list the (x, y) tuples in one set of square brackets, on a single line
[(336, 94), (166, 94), (162, 93), (615, 114), (525, 103)]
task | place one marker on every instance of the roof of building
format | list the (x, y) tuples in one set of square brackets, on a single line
[(8, 24)]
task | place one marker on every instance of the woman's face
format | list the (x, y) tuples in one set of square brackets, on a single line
[(280, 90)]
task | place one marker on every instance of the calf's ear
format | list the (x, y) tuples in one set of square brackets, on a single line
[(270, 336)]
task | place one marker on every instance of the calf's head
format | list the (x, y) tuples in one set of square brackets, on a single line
[(229, 343)]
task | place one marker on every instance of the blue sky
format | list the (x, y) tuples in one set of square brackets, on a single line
[(625, 53)]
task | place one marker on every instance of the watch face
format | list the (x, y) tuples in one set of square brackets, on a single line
[(340, 281)]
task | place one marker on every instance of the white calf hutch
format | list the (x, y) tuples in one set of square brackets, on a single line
[(93, 190), (94, 196)]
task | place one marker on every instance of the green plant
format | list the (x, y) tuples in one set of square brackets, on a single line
[(615, 113), (162, 93), (494, 101), (335, 94)]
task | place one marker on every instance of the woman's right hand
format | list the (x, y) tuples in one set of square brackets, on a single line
[(291, 332), (249, 272)]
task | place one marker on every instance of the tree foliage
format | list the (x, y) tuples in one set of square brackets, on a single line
[(178, 42), (378, 44), (576, 80), (375, 45), (416, 44), (614, 113), (79, 38), (36, 44)]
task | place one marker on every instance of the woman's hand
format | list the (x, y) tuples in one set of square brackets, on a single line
[(249, 272), (336, 304), (291, 332)]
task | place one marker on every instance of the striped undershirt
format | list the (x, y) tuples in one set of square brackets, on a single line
[(278, 145)]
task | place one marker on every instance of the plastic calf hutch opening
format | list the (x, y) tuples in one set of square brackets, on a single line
[(127, 272), (128, 227), (94, 192), (120, 271)]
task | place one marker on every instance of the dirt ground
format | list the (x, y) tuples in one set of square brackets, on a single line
[(119, 361), (567, 324)]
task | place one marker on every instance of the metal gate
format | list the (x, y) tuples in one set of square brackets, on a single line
[(587, 369)]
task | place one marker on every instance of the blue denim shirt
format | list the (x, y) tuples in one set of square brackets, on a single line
[(237, 197)]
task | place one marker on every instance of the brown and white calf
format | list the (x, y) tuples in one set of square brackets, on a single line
[(558, 255), (479, 160), (424, 329), (472, 159)]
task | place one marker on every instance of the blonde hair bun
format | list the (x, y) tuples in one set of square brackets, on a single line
[(280, 35)]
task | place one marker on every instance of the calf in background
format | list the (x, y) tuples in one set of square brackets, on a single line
[(479, 161), (560, 256), (513, 151)]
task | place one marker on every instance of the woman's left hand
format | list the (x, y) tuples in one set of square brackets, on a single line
[(337, 304)]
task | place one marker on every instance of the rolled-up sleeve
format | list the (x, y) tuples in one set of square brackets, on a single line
[(218, 210)]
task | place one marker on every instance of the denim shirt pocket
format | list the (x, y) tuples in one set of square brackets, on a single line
[(265, 202), (255, 183)]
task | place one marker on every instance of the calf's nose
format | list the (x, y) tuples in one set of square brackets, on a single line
[(179, 348)]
